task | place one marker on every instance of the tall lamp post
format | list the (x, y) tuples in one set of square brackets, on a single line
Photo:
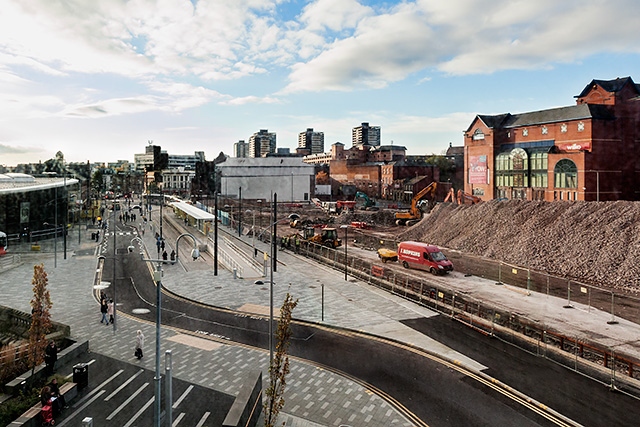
[(270, 281), (157, 277), (346, 259), (253, 229)]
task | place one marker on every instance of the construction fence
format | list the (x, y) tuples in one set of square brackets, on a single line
[(576, 353)]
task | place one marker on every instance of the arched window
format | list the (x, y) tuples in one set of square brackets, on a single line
[(565, 174), (512, 169), (520, 167)]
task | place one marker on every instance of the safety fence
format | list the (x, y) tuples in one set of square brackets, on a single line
[(576, 353)]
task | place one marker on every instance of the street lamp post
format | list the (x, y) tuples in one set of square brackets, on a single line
[(253, 230), (157, 277), (239, 211), (346, 228), (215, 236)]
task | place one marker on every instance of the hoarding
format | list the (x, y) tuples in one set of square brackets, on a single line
[(478, 169)]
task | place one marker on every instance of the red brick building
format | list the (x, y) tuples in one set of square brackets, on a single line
[(589, 151)]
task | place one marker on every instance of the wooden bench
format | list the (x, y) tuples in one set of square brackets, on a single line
[(31, 418)]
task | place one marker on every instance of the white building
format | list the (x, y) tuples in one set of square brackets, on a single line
[(289, 177), (177, 181)]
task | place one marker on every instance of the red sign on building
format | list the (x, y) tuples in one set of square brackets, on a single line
[(478, 169)]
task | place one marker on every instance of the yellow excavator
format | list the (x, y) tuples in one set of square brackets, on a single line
[(414, 214)]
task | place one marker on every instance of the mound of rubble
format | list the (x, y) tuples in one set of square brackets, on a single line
[(592, 242)]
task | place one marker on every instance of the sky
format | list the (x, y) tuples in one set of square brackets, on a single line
[(99, 79)]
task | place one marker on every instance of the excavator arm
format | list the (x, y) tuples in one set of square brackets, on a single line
[(428, 190)]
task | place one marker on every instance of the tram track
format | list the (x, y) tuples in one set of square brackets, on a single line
[(525, 402)]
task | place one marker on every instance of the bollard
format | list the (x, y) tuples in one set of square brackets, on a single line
[(235, 273), (87, 422)]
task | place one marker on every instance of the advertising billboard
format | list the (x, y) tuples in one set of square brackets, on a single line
[(478, 169)]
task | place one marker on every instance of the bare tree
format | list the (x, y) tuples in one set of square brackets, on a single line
[(279, 367), (40, 317)]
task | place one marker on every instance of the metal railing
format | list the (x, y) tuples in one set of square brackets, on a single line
[(532, 335)]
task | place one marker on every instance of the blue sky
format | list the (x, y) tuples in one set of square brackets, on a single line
[(98, 79)]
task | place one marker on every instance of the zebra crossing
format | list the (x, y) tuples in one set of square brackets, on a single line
[(122, 394)]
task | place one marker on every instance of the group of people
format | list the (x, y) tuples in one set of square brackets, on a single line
[(52, 402), (106, 309), (127, 216), (287, 241)]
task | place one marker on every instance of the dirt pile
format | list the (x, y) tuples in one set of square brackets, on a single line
[(593, 242)]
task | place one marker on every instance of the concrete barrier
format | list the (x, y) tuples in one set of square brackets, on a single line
[(247, 407), (14, 386)]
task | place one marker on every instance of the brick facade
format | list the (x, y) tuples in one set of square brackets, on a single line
[(583, 152)]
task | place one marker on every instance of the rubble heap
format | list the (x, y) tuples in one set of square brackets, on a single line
[(592, 242)]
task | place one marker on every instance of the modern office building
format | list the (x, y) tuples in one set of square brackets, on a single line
[(262, 143), (310, 142), (241, 149), (185, 161), (153, 159), (29, 205), (365, 135)]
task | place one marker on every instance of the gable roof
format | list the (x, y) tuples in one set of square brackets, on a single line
[(562, 114), (552, 115), (609, 85)]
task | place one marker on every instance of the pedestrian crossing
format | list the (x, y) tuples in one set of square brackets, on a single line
[(124, 395)]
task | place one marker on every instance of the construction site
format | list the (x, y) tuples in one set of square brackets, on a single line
[(590, 242)]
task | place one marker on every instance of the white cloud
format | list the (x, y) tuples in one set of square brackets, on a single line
[(467, 37), (335, 15), (113, 107), (251, 100)]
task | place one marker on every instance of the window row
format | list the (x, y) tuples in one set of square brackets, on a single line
[(517, 169)]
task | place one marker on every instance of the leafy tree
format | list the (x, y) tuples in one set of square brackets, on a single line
[(40, 317), (97, 182), (279, 367)]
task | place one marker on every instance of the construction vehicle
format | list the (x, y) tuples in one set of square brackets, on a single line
[(349, 205), (327, 237), (368, 203), (451, 196), (414, 214), (467, 199), (386, 255)]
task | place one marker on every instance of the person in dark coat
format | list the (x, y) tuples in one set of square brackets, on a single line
[(51, 356), (57, 399), (104, 308)]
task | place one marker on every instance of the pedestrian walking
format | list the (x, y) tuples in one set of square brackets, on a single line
[(104, 308), (162, 244), (164, 256), (110, 311), (139, 344)]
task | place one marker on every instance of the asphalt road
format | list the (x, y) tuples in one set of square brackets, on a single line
[(437, 394)]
